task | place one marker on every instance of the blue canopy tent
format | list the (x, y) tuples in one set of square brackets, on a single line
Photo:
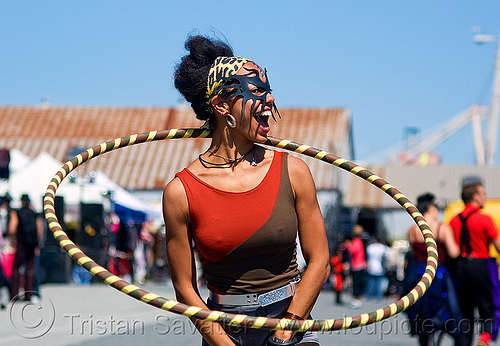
[(126, 206), (127, 214)]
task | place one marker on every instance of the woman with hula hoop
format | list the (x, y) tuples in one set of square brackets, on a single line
[(242, 205)]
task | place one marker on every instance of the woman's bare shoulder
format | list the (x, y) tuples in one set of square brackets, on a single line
[(298, 167), (174, 192)]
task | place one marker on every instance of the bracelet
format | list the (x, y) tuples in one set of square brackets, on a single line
[(275, 341), (291, 316)]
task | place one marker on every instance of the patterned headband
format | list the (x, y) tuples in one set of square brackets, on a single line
[(220, 72)]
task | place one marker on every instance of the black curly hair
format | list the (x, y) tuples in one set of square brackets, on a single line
[(192, 72)]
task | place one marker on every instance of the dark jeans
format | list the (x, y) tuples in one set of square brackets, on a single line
[(24, 253), (474, 289)]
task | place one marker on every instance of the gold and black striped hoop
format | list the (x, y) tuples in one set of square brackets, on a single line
[(237, 319)]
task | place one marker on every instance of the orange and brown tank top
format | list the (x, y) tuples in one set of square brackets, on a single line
[(246, 240)]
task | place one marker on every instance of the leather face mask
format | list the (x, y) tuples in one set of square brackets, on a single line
[(223, 76), (252, 86)]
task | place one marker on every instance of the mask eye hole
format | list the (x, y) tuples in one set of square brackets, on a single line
[(257, 91)]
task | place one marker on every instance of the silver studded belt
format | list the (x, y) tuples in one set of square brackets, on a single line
[(262, 299)]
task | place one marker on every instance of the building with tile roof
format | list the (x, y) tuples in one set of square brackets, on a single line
[(63, 132)]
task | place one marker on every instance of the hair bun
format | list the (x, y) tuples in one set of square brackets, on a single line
[(203, 51), (192, 72)]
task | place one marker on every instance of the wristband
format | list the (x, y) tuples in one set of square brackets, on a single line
[(291, 316), (275, 341)]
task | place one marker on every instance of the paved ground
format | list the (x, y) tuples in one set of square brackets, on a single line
[(100, 315)]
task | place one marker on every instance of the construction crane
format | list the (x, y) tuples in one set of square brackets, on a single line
[(485, 147), (491, 140)]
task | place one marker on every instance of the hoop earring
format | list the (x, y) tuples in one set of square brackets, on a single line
[(231, 121)]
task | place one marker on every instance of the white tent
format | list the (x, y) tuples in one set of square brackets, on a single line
[(18, 160), (33, 179)]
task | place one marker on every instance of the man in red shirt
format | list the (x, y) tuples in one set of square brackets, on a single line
[(474, 232)]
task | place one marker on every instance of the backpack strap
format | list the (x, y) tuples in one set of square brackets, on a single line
[(464, 233)]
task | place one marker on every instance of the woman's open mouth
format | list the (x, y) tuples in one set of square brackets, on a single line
[(263, 120)]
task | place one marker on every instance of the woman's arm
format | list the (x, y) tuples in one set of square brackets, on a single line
[(447, 237), (14, 221), (181, 260), (313, 241)]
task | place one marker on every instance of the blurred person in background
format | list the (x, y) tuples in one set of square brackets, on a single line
[(337, 274), (5, 216), (27, 229), (357, 265), (476, 273), (378, 256), (437, 311)]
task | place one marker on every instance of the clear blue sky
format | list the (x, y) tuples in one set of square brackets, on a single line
[(395, 64)]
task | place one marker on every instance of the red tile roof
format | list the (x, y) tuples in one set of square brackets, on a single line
[(149, 166)]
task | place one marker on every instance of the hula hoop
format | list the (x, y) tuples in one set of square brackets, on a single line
[(238, 319)]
